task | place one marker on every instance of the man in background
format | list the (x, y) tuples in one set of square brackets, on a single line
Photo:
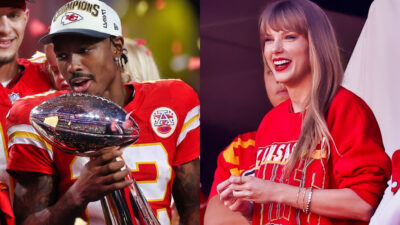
[(18, 77), (239, 159)]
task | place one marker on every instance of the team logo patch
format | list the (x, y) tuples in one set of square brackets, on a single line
[(13, 97), (163, 121), (70, 17)]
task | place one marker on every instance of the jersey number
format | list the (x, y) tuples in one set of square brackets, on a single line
[(145, 161)]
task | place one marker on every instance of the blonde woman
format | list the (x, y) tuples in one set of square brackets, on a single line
[(320, 157), (141, 65)]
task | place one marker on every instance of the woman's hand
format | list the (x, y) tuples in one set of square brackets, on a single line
[(253, 189), (225, 192), (237, 193), (335, 203)]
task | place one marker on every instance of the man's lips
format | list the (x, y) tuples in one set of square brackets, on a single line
[(80, 82), (81, 85), (6, 42)]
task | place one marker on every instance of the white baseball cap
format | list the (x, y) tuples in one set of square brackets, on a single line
[(92, 18)]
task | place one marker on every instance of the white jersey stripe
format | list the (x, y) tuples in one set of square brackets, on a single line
[(38, 57), (21, 128), (25, 136), (40, 94), (192, 121), (192, 113)]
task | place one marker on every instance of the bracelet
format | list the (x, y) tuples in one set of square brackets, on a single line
[(307, 208), (304, 199)]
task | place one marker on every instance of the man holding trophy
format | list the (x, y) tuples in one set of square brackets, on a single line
[(54, 187)]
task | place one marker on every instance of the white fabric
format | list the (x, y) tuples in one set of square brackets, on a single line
[(91, 15), (21, 128), (28, 137), (5, 83), (373, 73), (195, 112), (388, 212)]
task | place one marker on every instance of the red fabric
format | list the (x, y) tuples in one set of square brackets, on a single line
[(5, 205), (359, 162), (150, 159), (243, 151), (396, 171), (34, 79), (15, 80)]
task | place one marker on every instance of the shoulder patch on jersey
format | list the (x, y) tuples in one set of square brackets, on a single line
[(163, 121)]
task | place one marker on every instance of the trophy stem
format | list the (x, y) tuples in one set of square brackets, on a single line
[(108, 214), (115, 206), (147, 216), (115, 209)]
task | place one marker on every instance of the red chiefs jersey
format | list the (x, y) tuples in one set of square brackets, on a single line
[(32, 79), (167, 113), (356, 160), (237, 159)]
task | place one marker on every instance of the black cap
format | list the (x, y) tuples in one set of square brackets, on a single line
[(14, 3)]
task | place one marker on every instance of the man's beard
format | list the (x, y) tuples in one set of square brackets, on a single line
[(6, 59)]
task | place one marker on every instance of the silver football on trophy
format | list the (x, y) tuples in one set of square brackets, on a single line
[(81, 123)]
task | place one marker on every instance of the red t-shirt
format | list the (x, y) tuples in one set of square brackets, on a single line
[(171, 103), (357, 159), (236, 159)]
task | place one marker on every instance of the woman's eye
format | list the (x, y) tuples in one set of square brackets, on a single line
[(291, 37), (268, 39)]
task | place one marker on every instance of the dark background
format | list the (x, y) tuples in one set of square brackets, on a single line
[(233, 97)]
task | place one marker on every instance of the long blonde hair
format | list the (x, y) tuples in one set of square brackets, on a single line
[(141, 65), (307, 19)]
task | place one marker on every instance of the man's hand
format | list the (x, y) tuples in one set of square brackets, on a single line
[(103, 174), (36, 194)]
